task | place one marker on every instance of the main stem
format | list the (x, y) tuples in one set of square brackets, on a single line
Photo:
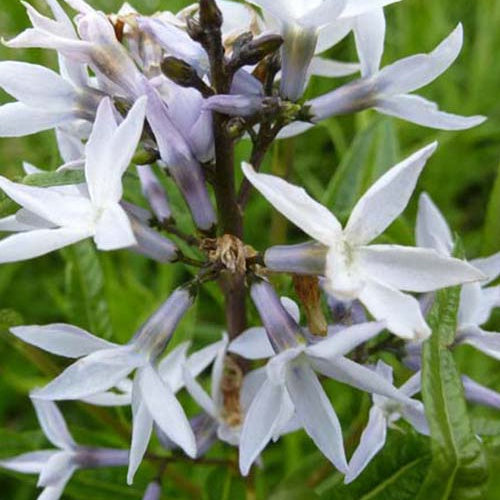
[(229, 215)]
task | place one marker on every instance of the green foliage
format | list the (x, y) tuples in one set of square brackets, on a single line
[(458, 470)]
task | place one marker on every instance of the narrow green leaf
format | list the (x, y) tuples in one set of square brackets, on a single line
[(89, 279), (395, 474), (491, 232), (458, 469)]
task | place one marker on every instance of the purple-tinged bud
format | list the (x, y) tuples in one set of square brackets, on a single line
[(235, 105), (152, 244), (297, 54), (210, 14), (347, 313), (283, 332), (180, 161), (90, 458), (154, 193), (205, 432), (305, 258), (185, 75), (249, 52), (157, 331), (246, 84), (153, 492), (477, 393), (354, 96)]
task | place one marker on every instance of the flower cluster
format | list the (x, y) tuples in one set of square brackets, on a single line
[(179, 90)]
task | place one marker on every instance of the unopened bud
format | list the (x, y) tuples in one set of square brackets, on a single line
[(253, 51), (183, 74), (210, 14)]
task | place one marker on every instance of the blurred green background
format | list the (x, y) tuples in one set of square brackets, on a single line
[(111, 294)]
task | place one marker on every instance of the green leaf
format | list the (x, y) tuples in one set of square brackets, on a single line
[(221, 484), (458, 469), (395, 474), (374, 150), (89, 288)]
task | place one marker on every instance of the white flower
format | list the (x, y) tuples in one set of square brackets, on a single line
[(301, 23), (384, 413), (477, 300), (55, 468), (389, 90), (52, 218), (291, 379), (375, 274), (104, 365)]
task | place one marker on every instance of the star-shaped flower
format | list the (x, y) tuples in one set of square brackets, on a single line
[(104, 365), (383, 414), (291, 377), (55, 467), (377, 275), (389, 90), (62, 217)]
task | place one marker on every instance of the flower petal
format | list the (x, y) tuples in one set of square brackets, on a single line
[(489, 266), (418, 110), (372, 441), (415, 269), (316, 413), (479, 394), (63, 340), (114, 229), (166, 410), (386, 199), (198, 394), (28, 463), (486, 342), (295, 204), (343, 342), (359, 376), (170, 367), (260, 423), (53, 424), (37, 86), (31, 244), (252, 344), (369, 33), (432, 229), (141, 430), (400, 311), (415, 72), (95, 373)]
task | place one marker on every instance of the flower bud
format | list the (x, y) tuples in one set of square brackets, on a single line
[(157, 331), (282, 330), (153, 491), (154, 192), (151, 244), (253, 51), (89, 458), (305, 258), (210, 14)]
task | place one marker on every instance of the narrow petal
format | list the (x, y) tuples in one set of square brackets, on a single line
[(372, 441), (260, 423), (28, 463), (479, 394), (489, 266), (295, 204), (343, 342), (170, 367), (415, 269), (17, 119), (37, 86), (53, 424), (95, 373), (252, 344), (166, 410), (369, 33), (486, 342), (357, 7), (110, 149), (386, 199), (415, 415), (418, 110), (413, 385), (63, 340), (316, 413), (31, 244), (53, 205), (332, 69), (432, 229), (58, 467), (198, 394), (114, 229), (359, 376), (400, 311), (141, 430), (417, 71)]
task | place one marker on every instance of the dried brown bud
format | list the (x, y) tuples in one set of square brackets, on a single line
[(307, 289), (230, 251)]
